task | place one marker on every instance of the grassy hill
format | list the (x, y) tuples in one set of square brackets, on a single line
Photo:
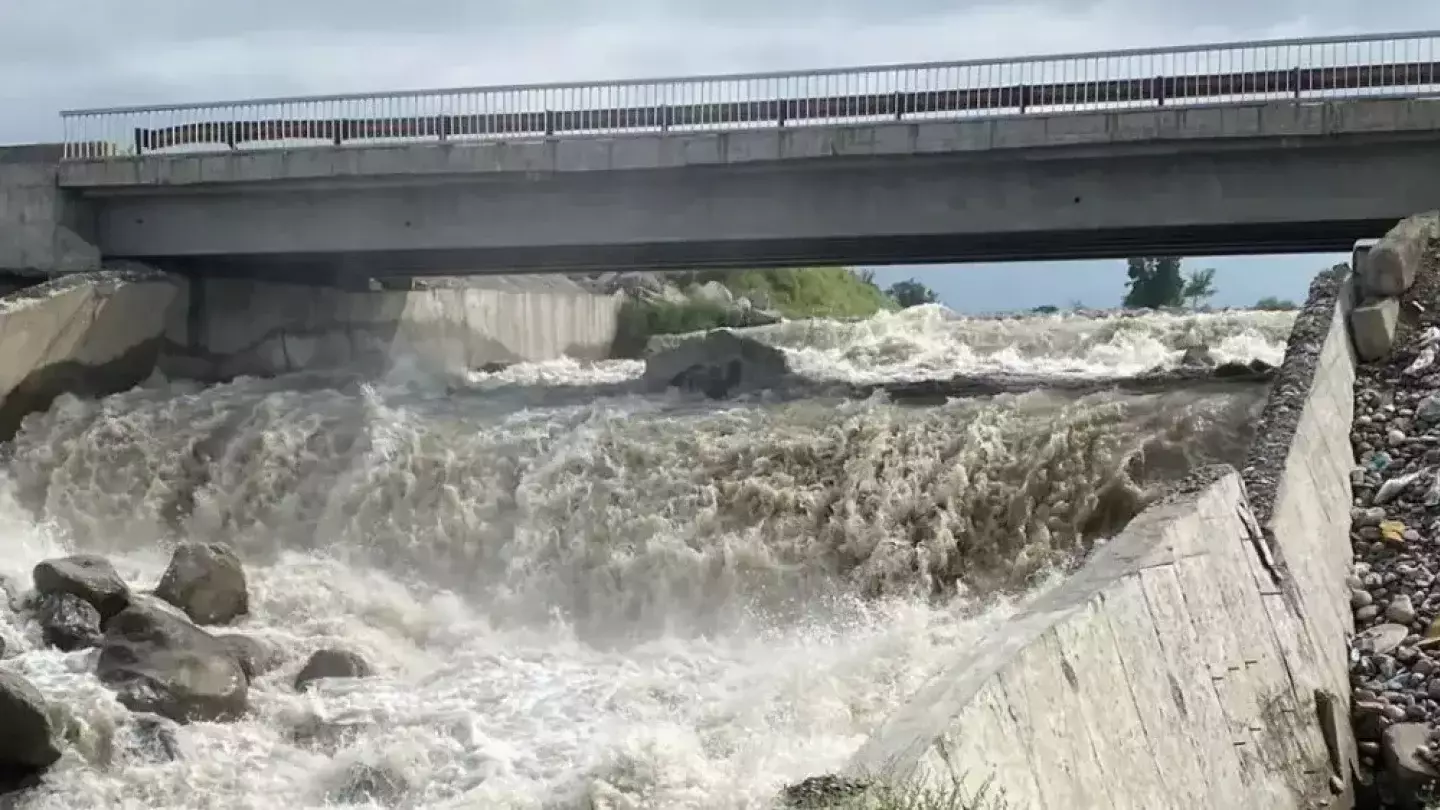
[(807, 292)]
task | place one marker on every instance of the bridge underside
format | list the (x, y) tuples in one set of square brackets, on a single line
[(1261, 197), (1228, 240)]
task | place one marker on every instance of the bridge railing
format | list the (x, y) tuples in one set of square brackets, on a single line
[(1404, 64)]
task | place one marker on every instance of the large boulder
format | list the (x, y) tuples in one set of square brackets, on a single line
[(717, 364), (256, 656), (207, 581), (68, 622), (157, 661), (28, 739), (150, 739), (1389, 267), (1372, 328), (332, 664), (87, 576)]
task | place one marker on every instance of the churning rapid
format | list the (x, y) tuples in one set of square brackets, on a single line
[(606, 599)]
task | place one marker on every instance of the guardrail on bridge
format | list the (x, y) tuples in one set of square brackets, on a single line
[(1321, 68)]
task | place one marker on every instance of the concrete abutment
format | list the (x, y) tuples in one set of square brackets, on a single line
[(101, 332)]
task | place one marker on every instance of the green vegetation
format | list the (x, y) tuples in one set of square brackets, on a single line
[(885, 795), (911, 293), (1199, 286), (811, 292), (808, 292), (1156, 282), (1274, 304)]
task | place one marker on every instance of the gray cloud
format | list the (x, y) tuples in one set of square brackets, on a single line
[(88, 53)]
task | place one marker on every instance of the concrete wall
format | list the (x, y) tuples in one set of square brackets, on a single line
[(221, 328), (40, 225), (90, 334), (1199, 658)]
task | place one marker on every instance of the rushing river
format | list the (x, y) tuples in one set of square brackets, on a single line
[(602, 599)]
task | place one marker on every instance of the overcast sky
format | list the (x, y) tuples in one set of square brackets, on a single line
[(95, 53)]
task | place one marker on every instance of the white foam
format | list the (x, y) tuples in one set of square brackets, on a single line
[(634, 602), (931, 341)]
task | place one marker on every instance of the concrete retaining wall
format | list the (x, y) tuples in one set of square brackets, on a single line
[(222, 328), (90, 334), (1198, 659), (39, 227)]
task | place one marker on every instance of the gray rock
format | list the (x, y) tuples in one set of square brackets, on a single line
[(1367, 613), (1391, 264), (328, 736), (1429, 410), (1372, 328), (87, 576), (1400, 747), (150, 738), (1370, 516), (1382, 639), (717, 364), (158, 662), (256, 656), (1400, 611), (332, 664), (361, 783), (207, 581), (1360, 598), (28, 744), (68, 622), (822, 791)]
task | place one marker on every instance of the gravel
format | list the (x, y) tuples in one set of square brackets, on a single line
[(1395, 532)]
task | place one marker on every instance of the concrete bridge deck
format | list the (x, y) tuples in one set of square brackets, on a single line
[(1267, 177), (1291, 146)]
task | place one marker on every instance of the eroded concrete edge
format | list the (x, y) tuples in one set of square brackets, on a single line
[(87, 334), (1197, 659)]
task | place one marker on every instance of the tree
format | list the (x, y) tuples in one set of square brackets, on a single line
[(1199, 286), (1046, 309), (1154, 282), (911, 293), (1272, 303)]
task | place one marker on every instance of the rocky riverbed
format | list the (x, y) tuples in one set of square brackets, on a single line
[(163, 655), (1395, 531)]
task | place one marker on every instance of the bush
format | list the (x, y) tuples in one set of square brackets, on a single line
[(1274, 304), (813, 292), (639, 320), (807, 292)]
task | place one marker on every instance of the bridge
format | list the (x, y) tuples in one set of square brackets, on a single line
[(1293, 145)]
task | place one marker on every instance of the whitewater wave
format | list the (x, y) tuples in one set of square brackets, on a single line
[(623, 601), (931, 341)]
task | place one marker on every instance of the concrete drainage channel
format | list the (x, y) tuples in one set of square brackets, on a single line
[(1203, 657), (1200, 659)]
